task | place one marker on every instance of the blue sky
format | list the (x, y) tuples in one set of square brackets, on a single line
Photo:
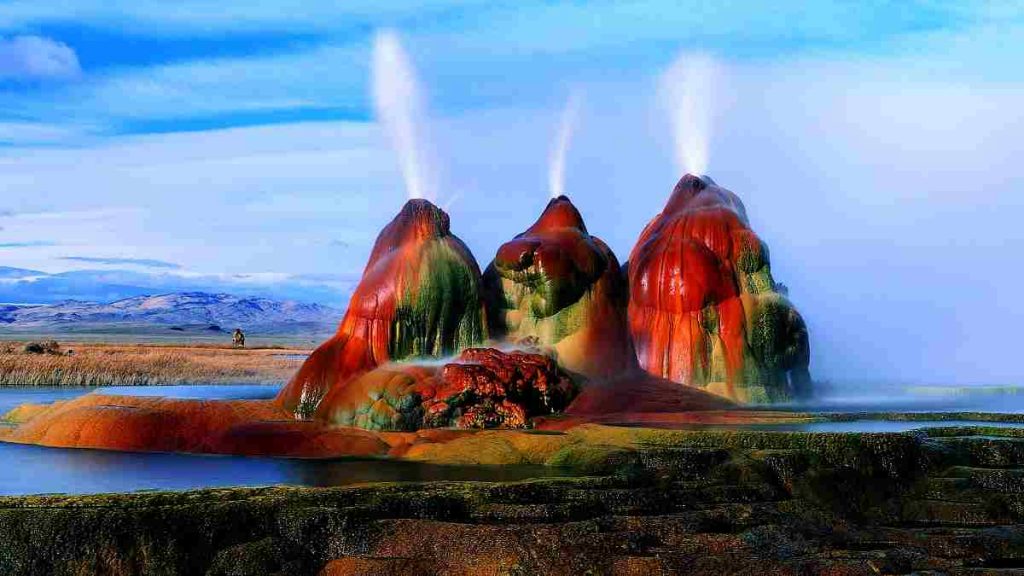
[(876, 144)]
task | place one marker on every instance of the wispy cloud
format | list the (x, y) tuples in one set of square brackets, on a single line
[(144, 262), (37, 58), (29, 244), (495, 46), (326, 80), (229, 201), (26, 133)]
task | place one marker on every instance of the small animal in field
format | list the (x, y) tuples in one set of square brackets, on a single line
[(238, 338)]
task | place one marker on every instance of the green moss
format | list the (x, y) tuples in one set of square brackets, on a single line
[(753, 271), (777, 351), (702, 501), (386, 410), (588, 458), (444, 313), (536, 316)]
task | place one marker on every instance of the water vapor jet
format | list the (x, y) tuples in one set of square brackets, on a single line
[(566, 127), (398, 102), (687, 90)]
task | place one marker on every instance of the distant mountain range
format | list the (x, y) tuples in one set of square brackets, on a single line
[(22, 286), (18, 273), (182, 312)]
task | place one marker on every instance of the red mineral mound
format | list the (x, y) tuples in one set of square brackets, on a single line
[(482, 388), (704, 309), (638, 398), (560, 287), (419, 296), (150, 424)]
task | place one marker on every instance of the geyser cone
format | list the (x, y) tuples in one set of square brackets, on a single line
[(557, 285), (419, 296), (704, 309)]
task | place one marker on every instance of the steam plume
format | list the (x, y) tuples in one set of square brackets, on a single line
[(556, 165), (688, 90), (399, 106)]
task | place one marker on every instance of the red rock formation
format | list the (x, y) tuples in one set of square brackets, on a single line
[(419, 296), (560, 287), (483, 388), (703, 306)]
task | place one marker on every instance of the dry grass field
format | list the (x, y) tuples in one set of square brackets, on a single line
[(92, 364)]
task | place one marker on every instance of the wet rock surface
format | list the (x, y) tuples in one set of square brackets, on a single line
[(945, 502), (482, 388), (704, 308)]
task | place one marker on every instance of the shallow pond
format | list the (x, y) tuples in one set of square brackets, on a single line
[(35, 469), (39, 470), (13, 397)]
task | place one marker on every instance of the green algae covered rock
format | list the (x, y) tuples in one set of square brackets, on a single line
[(561, 288)]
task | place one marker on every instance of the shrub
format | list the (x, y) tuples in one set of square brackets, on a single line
[(49, 347)]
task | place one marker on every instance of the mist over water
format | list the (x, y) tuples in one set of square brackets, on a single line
[(566, 127), (687, 91), (398, 102)]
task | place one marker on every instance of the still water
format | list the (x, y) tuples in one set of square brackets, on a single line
[(41, 470), (35, 469)]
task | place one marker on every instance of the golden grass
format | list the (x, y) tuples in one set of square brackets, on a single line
[(145, 364)]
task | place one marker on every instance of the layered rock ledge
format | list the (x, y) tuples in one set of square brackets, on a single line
[(654, 502)]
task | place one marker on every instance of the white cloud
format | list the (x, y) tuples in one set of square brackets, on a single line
[(244, 200), (41, 133), (36, 58)]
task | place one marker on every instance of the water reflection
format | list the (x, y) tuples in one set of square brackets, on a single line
[(40, 470), (36, 469), (198, 391)]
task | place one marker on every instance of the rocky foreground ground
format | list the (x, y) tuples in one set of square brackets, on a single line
[(692, 502)]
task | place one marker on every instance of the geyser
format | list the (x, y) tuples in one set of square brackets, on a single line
[(704, 309), (398, 102), (687, 92), (560, 287), (419, 296), (566, 126)]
